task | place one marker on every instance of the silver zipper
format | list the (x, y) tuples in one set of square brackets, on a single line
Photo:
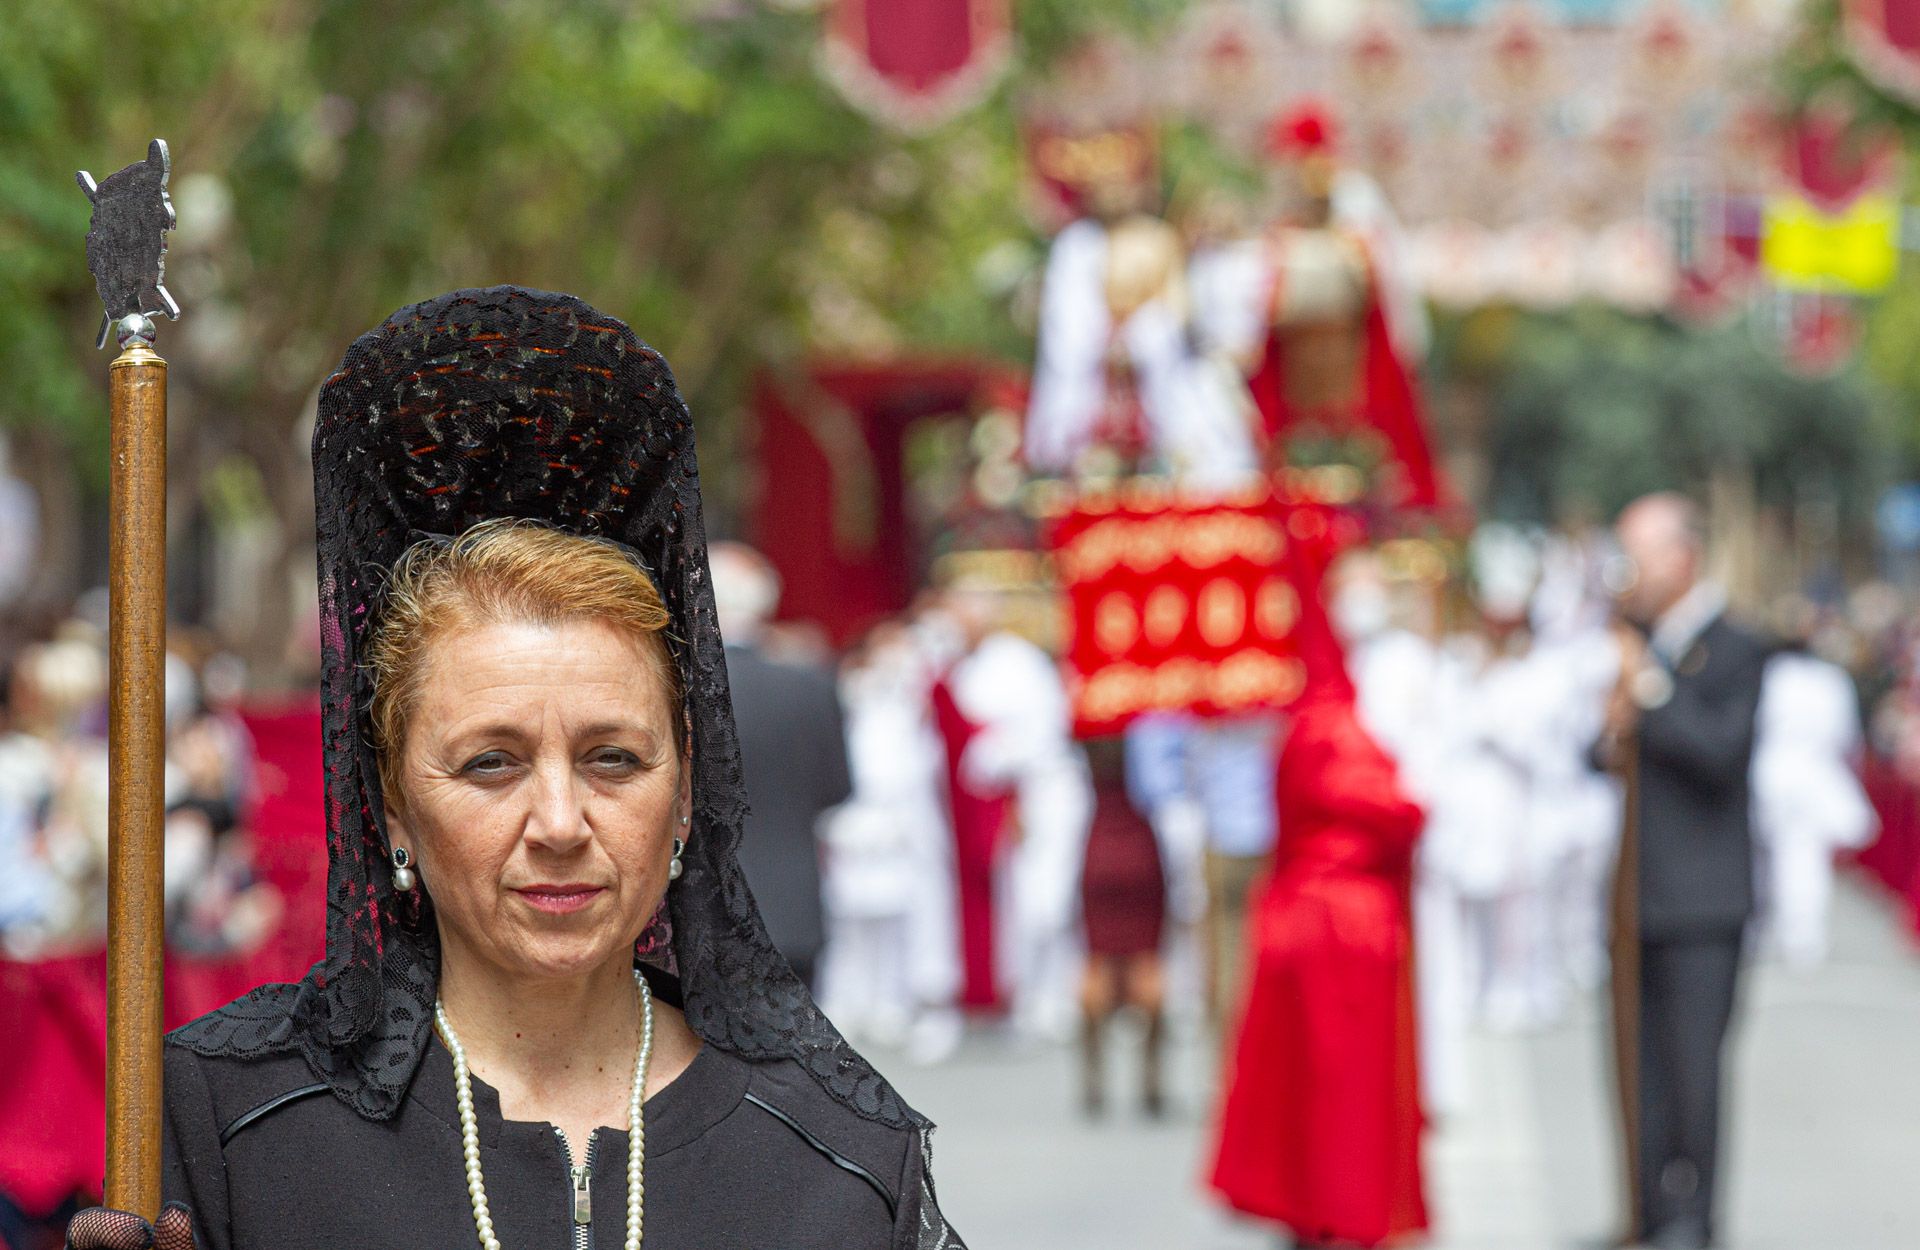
[(580, 1180)]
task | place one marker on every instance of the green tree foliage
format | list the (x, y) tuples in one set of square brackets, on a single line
[(334, 160), (1591, 408), (681, 163)]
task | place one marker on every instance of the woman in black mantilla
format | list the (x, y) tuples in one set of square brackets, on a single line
[(534, 910)]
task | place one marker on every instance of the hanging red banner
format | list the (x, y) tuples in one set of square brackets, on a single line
[(1883, 39), (915, 63), (1178, 605)]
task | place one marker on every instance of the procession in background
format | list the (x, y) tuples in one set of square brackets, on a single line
[(1301, 639)]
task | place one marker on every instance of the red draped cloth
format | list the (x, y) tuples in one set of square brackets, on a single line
[(979, 825), (1894, 856), (53, 1012), (53, 1081), (835, 437), (1320, 1127)]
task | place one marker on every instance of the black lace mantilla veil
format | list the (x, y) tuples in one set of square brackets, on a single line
[(509, 402)]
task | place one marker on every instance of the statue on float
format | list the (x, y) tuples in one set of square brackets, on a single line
[(1340, 329), (1118, 385)]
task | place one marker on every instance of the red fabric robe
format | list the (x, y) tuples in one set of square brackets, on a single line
[(1320, 1127), (979, 828)]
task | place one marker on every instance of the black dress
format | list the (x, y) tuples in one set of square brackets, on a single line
[(738, 1154)]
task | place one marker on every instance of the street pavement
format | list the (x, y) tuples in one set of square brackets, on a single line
[(1824, 1153)]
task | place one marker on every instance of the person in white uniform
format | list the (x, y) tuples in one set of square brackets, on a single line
[(1485, 827), (1808, 802), (1578, 807), (1013, 690), (891, 968)]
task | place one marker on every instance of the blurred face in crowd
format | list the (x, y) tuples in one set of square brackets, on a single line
[(541, 790), (972, 607), (746, 591), (1660, 539), (1362, 607)]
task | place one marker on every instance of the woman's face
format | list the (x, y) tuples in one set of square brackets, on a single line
[(541, 793)]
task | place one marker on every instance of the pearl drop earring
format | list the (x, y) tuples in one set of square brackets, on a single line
[(674, 866), (403, 878)]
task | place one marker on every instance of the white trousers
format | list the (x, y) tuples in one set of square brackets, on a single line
[(865, 983), (1443, 989), (1800, 898)]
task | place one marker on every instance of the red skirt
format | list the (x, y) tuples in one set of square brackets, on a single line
[(1123, 894)]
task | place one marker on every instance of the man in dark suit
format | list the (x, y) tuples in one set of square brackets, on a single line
[(1682, 724), (793, 751)]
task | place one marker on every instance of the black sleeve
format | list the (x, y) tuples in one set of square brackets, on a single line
[(1706, 730), (918, 1223), (193, 1165)]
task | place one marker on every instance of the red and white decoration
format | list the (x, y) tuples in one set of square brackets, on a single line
[(915, 63), (1607, 141), (1883, 39)]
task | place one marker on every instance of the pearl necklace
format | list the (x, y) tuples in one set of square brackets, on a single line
[(636, 1124)]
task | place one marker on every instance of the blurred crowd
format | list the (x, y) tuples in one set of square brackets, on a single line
[(969, 853), (53, 796), (1492, 701)]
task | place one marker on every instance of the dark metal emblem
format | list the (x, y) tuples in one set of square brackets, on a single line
[(127, 241)]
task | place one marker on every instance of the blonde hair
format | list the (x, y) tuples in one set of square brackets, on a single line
[(503, 570)]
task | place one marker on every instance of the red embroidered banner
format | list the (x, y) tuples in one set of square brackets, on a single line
[(1179, 605)]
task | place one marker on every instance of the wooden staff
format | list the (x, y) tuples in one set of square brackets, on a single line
[(1624, 931), (125, 244), (136, 728)]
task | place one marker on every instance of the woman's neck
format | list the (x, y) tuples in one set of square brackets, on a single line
[(541, 1036), (560, 1051)]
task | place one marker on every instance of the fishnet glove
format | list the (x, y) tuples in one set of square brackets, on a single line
[(102, 1228)]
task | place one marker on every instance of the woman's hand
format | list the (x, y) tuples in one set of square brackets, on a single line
[(102, 1228)]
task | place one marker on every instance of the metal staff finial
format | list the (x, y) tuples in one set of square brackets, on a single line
[(127, 244)]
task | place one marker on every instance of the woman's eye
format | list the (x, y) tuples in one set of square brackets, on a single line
[(614, 758), (486, 764)]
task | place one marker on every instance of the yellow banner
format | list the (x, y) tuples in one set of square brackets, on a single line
[(1858, 250)]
